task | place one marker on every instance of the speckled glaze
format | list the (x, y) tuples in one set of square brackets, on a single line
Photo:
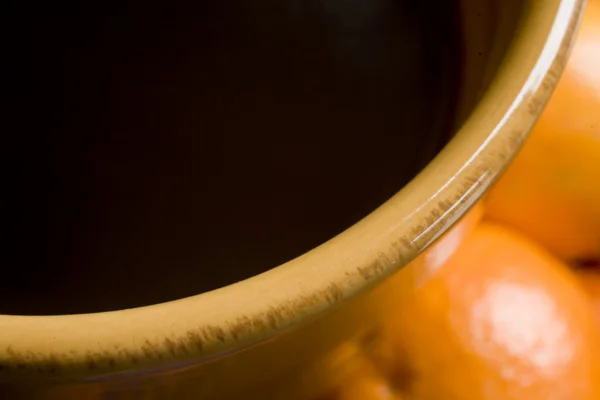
[(289, 333)]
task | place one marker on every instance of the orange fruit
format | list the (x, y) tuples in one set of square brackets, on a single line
[(552, 190), (502, 319)]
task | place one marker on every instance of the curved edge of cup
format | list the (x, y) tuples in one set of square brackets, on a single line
[(213, 323)]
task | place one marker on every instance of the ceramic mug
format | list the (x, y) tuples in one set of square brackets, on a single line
[(297, 330)]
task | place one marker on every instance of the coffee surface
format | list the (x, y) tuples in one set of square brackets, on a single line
[(166, 149)]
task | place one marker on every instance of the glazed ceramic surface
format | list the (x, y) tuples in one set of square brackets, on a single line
[(294, 331)]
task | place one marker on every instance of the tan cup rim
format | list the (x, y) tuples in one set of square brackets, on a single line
[(207, 325)]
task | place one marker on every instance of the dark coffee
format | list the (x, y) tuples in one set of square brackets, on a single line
[(163, 149)]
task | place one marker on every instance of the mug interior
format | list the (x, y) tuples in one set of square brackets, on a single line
[(167, 149)]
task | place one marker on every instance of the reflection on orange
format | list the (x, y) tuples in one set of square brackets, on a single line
[(502, 319), (552, 191), (367, 386)]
